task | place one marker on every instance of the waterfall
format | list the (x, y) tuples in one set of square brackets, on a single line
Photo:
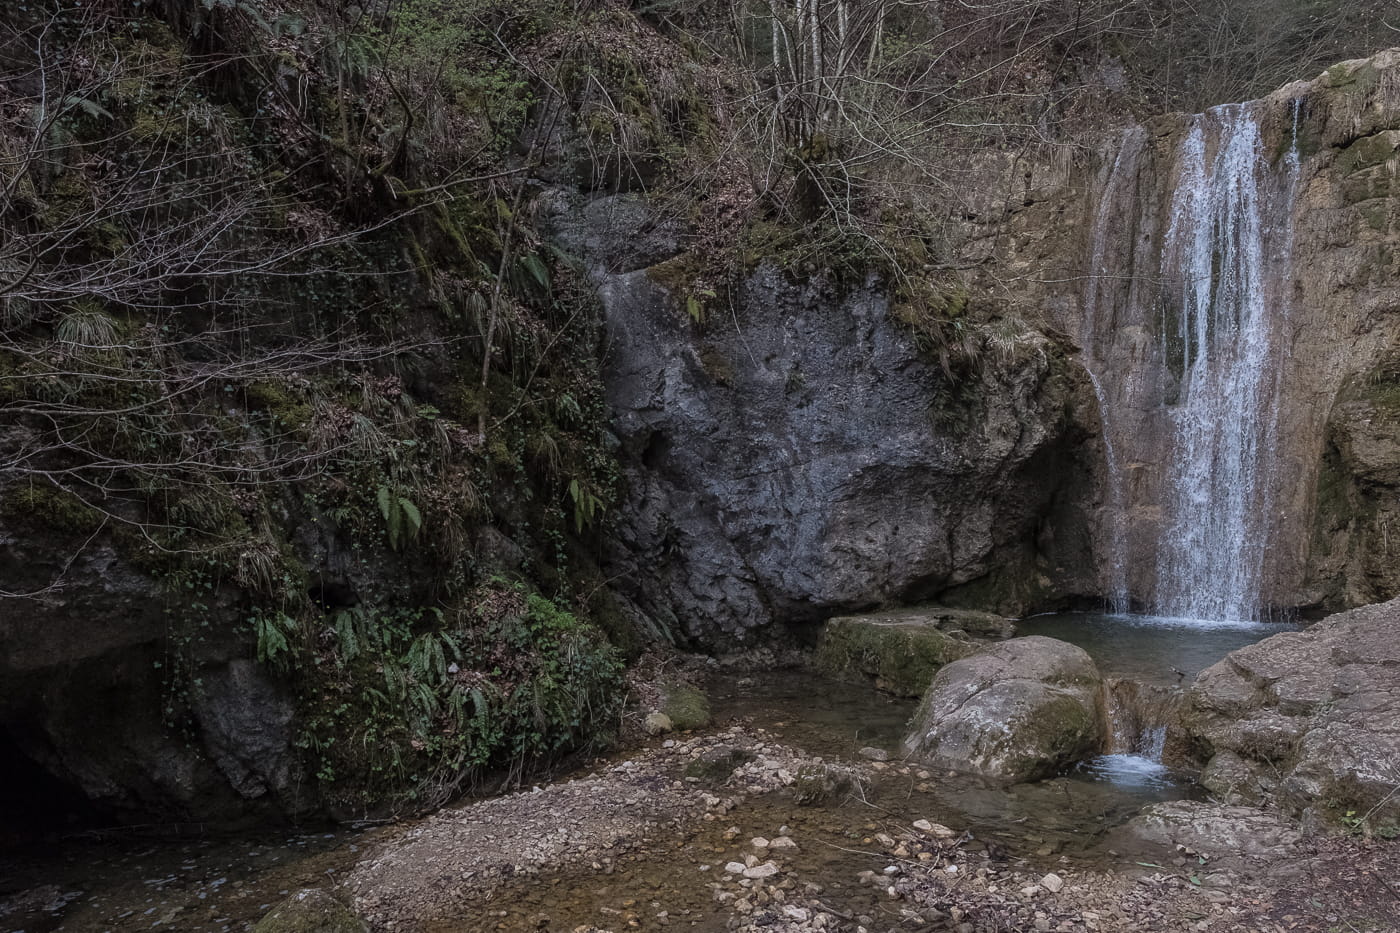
[(1221, 342)]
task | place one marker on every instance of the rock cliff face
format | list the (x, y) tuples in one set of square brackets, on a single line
[(793, 457), (1331, 286)]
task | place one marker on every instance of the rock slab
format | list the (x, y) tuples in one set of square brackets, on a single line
[(1307, 720)]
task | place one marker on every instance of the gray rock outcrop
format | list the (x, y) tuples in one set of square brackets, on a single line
[(794, 456), (1307, 720), (1020, 710)]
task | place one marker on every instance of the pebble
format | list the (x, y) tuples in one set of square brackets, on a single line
[(758, 842), (874, 754), (934, 829), (782, 842), (735, 868), (1052, 883), (766, 870)]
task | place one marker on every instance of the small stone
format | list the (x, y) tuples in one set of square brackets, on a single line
[(1052, 883), (766, 870), (669, 743), (782, 842), (735, 868), (937, 830), (758, 842), (657, 724), (874, 754)]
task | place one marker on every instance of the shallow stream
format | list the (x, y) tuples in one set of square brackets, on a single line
[(118, 883)]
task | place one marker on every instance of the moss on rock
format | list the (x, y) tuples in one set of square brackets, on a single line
[(901, 651), (686, 706), (45, 507)]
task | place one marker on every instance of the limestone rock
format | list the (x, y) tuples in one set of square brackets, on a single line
[(685, 705), (310, 910), (788, 469), (1307, 720), (901, 650), (1019, 710), (657, 724), (1220, 836)]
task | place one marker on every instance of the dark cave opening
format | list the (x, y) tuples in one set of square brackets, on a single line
[(35, 803)]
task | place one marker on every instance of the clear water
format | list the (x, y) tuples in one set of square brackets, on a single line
[(1130, 771), (1162, 650)]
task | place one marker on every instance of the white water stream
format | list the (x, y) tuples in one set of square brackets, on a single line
[(1221, 319), (1224, 334)]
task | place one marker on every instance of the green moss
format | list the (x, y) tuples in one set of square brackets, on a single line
[(43, 507), (1352, 77), (717, 366), (901, 657), (1376, 215), (283, 403), (686, 705)]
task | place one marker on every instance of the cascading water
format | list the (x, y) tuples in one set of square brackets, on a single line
[(1222, 345)]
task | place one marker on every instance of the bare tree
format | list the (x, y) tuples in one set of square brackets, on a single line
[(148, 276)]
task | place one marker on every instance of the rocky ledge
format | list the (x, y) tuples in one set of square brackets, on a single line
[(1307, 720)]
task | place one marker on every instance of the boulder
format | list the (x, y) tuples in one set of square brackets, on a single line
[(1017, 711), (658, 724), (1307, 720), (901, 650), (685, 705), (310, 910)]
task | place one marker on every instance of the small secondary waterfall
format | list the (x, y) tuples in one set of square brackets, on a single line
[(1223, 341), (1098, 315), (1184, 331)]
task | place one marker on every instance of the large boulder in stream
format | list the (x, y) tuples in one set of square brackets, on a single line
[(900, 650), (1307, 720), (1018, 711)]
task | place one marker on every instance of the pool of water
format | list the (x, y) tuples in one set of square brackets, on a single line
[(1153, 649)]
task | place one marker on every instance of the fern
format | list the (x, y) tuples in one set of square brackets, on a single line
[(586, 505), (415, 518), (347, 632), (274, 638), (400, 516)]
